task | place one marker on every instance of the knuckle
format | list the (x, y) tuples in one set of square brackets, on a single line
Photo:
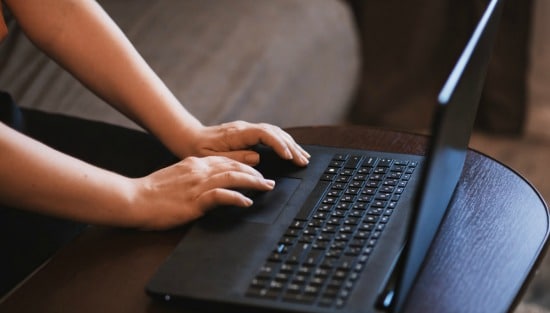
[(218, 196), (194, 164), (191, 160), (215, 195), (237, 127), (230, 176), (269, 127), (240, 123)]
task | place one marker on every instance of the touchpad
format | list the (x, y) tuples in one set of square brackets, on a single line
[(267, 205)]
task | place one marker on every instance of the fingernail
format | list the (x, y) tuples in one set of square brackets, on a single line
[(270, 182), (248, 202)]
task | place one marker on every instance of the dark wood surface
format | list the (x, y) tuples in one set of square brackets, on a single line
[(488, 246)]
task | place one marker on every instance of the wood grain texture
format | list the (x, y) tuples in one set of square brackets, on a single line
[(490, 242), (491, 239)]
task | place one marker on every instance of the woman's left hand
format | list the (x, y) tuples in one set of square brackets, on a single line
[(234, 139)]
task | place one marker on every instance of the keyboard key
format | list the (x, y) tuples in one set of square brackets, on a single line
[(385, 162), (295, 255), (369, 161), (353, 161), (328, 244)]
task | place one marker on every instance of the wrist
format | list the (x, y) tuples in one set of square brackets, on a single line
[(116, 203), (147, 205), (185, 142), (138, 202)]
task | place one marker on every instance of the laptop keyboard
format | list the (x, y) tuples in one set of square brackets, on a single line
[(321, 255)]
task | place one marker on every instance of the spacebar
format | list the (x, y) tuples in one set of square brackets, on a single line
[(314, 197)]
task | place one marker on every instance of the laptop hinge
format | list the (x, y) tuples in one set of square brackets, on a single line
[(385, 299)]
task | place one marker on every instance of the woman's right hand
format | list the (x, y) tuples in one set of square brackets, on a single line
[(186, 190)]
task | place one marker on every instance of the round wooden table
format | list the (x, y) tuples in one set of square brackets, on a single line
[(488, 246)]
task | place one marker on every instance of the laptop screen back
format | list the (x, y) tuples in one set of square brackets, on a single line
[(453, 124)]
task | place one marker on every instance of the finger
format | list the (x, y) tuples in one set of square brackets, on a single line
[(220, 196), (234, 179), (296, 146), (271, 136), (220, 163), (243, 156), (297, 154)]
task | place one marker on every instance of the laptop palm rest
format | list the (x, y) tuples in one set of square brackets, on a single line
[(196, 269), (266, 208)]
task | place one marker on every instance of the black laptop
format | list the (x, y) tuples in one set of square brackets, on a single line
[(349, 233)]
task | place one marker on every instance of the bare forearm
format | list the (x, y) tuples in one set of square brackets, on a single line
[(82, 38), (36, 177)]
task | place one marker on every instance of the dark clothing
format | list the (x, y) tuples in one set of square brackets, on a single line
[(28, 239)]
